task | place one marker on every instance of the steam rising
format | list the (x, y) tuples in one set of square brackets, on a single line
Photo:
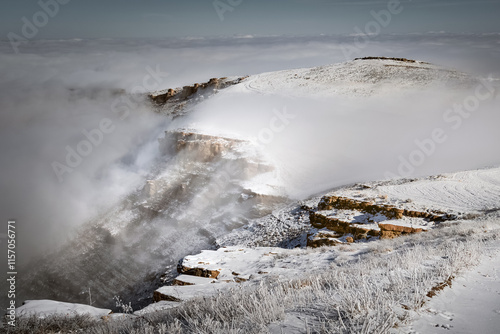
[(338, 140)]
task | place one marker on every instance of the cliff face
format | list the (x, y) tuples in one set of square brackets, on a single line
[(218, 164), (206, 147), (175, 101), (196, 192)]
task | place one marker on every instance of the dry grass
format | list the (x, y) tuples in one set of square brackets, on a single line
[(372, 294)]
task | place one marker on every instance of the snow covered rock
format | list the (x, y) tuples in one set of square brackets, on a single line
[(44, 308), (389, 231), (229, 263), (238, 265), (175, 101), (206, 147), (179, 293), (156, 307), (393, 208), (192, 280)]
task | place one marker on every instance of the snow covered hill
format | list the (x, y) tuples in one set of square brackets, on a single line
[(361, 77)]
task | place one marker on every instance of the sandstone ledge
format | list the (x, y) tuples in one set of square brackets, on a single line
[(391, 212), (184, 93)]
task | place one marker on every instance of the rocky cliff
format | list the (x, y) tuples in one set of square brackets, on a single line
[(175, 101)]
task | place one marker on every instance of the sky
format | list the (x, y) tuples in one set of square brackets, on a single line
[(162, 18)]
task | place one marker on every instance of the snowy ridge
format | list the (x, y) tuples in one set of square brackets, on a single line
[(362, 77)]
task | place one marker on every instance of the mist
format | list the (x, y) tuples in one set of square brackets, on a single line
[(330, 142), (55, 91)]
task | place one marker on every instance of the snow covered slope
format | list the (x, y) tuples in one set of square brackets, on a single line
[(372, 210), (461, 193), (470, 305), (394, 279), (373, 215), (361, 77)]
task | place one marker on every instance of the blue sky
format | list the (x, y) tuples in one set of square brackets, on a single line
[(162, 18)]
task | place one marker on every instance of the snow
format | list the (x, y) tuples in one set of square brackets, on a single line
[(44, 307), (284, 227), (468, 191), (292, 324), (265, 184), (461, 193), (470, 305), (187, 292), (354, 79), (194, 280), (156, 307), (255, 264)]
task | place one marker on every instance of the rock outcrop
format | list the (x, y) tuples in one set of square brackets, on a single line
[(389, 58), (390, 211), (208, 273), (197, 155), (176, 293), (206, 147), (340, 217), (173, 101), (198, 271), (183, 93), (389, 231), (342, 226)]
